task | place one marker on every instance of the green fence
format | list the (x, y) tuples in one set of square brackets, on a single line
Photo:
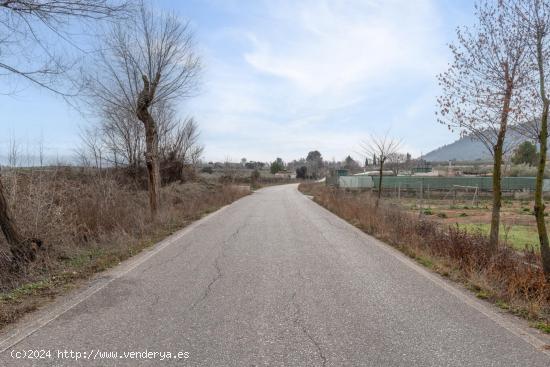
[(355, 182), (443, 183)]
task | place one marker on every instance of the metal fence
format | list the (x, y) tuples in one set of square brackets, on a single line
[(355, 182), (438, 183)]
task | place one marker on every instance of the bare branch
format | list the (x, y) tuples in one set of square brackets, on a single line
[(32, 28)]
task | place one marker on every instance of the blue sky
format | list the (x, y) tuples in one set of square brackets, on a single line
[(282, 78)]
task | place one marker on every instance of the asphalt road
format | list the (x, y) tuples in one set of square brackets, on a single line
[(271, 280)]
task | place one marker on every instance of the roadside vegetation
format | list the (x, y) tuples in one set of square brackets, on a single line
[(510, 277), (495, 84), (90, 220), (126, 67)]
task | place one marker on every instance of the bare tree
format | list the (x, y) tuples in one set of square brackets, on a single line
[(534, 16), (195, 155), (92, 151), (28, 28), (182, 143), (482, 91), (145, 63), (383, 147), (123, 136), (122, 139), (395, 161), (177, 138)]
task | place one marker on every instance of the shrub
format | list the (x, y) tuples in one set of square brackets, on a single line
[(254, 178), (89, 220)]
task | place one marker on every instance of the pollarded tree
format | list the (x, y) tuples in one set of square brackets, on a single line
[(30, 30), (483, 88), (145, 64)]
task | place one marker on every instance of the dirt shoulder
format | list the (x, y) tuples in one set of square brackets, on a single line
[(510, 278), (89, 225)]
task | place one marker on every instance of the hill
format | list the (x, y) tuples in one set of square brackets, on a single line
[(468, 149), (464, 149)]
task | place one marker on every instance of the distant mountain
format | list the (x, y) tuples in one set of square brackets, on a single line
[(468, 149), (464, 149)]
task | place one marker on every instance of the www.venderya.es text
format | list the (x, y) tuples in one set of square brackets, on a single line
[(97, 354)]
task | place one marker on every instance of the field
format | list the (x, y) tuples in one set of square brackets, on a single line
[(518, 227)]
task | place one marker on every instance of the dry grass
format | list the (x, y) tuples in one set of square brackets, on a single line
[(89, 222), (508, 277)]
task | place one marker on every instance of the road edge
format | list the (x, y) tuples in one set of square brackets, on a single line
[(509, 322), (33, 321)]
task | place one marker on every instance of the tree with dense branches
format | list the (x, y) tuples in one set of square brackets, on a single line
[(525, 153)]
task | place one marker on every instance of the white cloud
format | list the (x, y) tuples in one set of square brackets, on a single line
[(330, 46), (299, 71)]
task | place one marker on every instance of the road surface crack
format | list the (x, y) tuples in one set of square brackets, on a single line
[(298, 322), (155, 301), (210, 285), (217, 267)]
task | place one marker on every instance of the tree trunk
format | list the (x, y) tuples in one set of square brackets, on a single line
[(539, 199), (22, 250), (497, 166), (152, 162), (497, 197), (380, 179), (380, 183), (151, 143), (543, 141)]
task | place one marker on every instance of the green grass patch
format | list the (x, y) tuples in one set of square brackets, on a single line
[(25, 290), (520, 237), (483, 294), (502, 304), (543, 326), (85, 257), (425, 261)]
